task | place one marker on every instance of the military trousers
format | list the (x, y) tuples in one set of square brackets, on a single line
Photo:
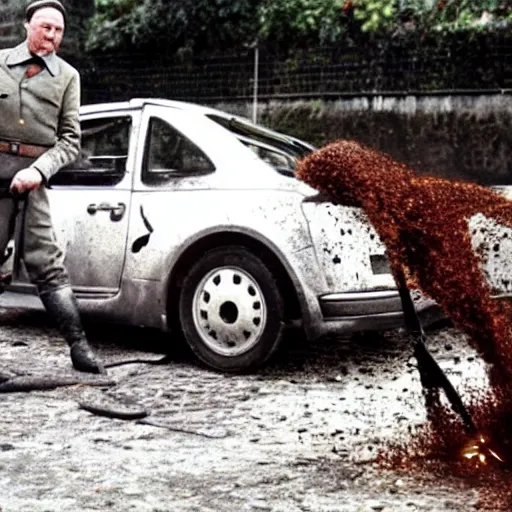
[(40, 252)]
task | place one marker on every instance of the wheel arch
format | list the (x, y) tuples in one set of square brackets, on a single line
[(266, 251)]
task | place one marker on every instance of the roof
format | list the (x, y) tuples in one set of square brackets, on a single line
[(138, 103), (237, 124)]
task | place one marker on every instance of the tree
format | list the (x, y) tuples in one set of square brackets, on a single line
[(219, 24), (196, 25), (171, 25), (299, 22), (390, 16), (110, 26)]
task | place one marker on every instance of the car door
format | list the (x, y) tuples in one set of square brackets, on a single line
[(90, 203)]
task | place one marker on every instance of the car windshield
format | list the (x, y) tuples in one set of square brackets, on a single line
[(280, 151)]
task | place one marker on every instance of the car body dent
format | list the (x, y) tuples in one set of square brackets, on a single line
[(345, 240), (492, 242)]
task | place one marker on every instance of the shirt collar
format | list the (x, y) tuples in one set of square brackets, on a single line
[(21, 54)]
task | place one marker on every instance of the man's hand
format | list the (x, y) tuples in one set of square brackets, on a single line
[(25, 180)]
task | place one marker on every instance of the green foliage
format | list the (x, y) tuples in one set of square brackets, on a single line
[(171, 25), (111, 26), (301, 20), (375, 15), (213, 23), (432, 15)]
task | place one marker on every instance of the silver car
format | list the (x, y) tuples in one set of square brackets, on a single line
[(185, 218)]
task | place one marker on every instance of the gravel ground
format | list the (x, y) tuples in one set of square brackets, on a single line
[(300, 435)]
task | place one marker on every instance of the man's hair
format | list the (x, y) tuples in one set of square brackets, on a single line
[(39, 4)]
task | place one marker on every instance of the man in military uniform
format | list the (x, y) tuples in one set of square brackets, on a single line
[(40, 134)]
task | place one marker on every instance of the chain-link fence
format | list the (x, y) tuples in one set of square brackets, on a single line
[(416, 65)]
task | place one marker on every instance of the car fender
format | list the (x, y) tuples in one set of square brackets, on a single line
[(300, 266)]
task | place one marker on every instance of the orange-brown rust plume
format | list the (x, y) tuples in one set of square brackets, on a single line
[(423, 221)]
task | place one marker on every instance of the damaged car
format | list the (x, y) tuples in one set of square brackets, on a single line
[(188, 219)]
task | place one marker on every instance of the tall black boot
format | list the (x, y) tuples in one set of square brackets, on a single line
[(62, 306)]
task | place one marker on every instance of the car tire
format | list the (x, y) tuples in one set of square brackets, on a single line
[(231, 310)]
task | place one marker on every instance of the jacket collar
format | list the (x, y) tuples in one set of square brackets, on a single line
[(20, 54)]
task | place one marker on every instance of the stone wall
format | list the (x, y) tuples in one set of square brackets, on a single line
[(458, 136), (12, 18)]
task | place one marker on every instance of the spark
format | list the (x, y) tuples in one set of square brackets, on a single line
[(478, 449)]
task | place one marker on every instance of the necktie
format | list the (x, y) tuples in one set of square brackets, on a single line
[(33, 69)]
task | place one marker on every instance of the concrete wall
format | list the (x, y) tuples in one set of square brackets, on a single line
[(12, 18), (459, 136)]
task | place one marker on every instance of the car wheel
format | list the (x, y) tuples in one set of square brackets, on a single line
[(231, 310)]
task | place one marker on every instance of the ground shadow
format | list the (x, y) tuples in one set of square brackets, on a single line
[(335, 357), (328, 358)]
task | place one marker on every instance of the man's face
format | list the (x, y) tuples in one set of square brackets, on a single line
[(45, 31)]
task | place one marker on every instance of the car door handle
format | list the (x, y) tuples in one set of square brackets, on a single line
[(116, 212)]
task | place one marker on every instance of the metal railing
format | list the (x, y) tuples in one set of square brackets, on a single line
[(257, 74)]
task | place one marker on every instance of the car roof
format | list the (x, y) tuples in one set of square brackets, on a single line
[(235, 123), (138, 103)]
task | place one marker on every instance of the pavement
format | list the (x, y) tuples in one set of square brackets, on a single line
[(301, 434)]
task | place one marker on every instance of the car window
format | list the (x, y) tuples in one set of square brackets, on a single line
[(103, 154), (281, 151), (290, 145), (281, 162), (170, 154)]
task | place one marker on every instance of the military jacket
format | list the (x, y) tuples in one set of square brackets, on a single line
[(41, 110)]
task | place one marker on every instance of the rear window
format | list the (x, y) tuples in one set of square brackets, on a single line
[(278, 150), (280, 161)]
